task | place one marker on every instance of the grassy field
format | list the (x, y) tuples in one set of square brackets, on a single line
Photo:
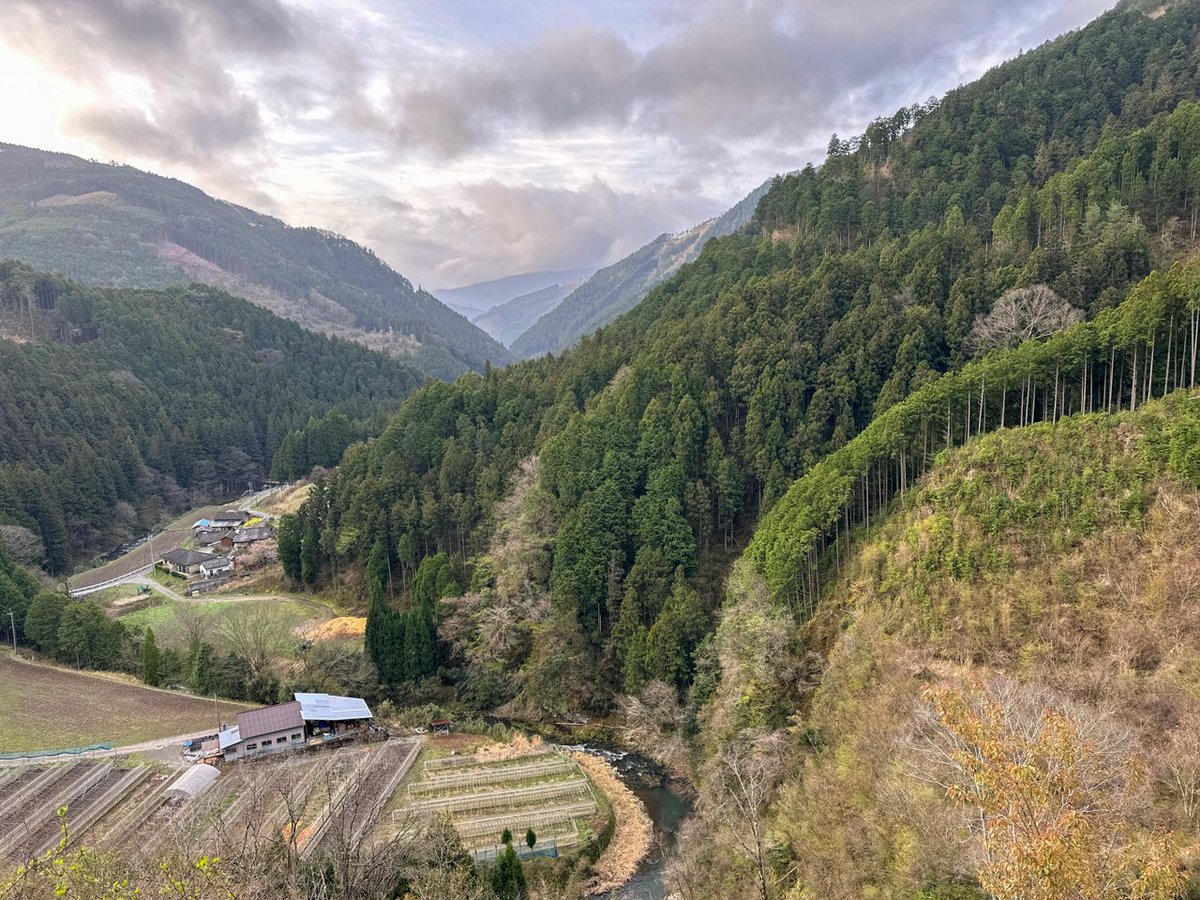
[(43, 708), (285, 615)]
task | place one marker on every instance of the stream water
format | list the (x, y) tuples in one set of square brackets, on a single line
[(666, 808)]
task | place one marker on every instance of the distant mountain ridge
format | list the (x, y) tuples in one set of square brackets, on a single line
[(116, 225), (620, 287), (509, 320), (473, 299)]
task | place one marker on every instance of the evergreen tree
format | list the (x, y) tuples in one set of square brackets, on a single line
[(150, 660)]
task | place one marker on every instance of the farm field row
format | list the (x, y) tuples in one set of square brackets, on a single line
[(316, 798), (42, 707)]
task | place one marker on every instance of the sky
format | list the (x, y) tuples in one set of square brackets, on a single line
[(464, 140)]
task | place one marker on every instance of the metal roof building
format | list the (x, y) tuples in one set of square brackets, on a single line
[(331, 708), (269, 720)]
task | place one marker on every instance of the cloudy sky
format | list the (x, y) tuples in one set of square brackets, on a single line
[(466, 139)]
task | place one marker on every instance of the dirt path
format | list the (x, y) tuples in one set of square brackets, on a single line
[(324, 611)]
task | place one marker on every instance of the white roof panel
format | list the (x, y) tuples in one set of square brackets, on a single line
[(331, 708), (229, 737)]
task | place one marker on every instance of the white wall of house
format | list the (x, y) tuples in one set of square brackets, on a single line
[(276, 742)]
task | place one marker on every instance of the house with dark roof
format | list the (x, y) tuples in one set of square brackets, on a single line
[(208, 537), (185, 562), (272, 729), (229, 518), (243, 537)]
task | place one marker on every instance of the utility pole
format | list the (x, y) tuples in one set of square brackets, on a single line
[(13, 621)]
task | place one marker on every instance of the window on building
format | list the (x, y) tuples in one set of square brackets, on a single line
[(252, 746), (267, 743), (296, 737)]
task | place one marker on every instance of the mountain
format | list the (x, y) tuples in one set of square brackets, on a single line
[(618, 288), (117, 405), (473, 299), (115, 225), (508, 320), (659, 442)]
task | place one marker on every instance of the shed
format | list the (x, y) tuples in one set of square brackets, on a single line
[(213, 567), (193, 782)]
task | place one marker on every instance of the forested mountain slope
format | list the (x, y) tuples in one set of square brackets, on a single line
[(474, 299), (510, 319), (1028, 602), (660, 440), (118, 404), (115, 225), (618, 288)]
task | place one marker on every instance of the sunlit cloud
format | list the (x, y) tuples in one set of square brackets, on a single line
[(465, 140)]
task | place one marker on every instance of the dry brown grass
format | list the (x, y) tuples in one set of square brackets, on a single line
[(337, 629), (631, 840), (287, 501)]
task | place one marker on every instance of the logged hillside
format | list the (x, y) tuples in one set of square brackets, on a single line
[(115, 225), (118, 404), (618, 288), (1036, 588)]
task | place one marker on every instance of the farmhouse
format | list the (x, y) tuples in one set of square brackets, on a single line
[(220, 565), (243, 537), (228, 518), (308, 719), (207, 537), (185, 562)]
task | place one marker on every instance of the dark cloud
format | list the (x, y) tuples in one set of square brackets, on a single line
[(733, 69)]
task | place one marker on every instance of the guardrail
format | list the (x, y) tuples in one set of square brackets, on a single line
[(112, 582)]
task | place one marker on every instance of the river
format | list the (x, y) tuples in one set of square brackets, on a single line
[(667, 810)]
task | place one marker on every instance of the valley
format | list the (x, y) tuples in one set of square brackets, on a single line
[(841, 546)]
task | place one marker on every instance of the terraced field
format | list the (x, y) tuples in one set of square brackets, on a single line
[(544, 790)]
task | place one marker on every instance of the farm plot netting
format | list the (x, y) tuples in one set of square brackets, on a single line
[(497, 775)]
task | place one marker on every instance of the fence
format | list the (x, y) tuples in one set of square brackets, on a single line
[(66, 751), (112, 582), (549, 848), (513, 797)]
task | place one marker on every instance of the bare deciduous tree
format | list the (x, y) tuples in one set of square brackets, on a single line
[(743, 776), (1021, 314), (22, 544), (654, 723), (254, 632), (1181, 762)]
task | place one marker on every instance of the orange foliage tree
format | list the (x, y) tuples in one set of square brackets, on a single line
[(1052, 786)]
